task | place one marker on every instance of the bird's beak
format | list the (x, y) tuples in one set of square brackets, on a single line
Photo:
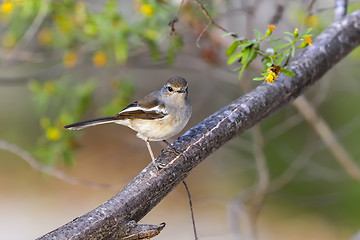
[(183, 90)]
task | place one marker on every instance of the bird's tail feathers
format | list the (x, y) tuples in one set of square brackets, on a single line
[(88, 123)]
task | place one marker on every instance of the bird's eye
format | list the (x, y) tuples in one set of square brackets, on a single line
[(170, 89)]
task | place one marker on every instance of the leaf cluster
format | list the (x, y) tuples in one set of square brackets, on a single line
[(243, 51)]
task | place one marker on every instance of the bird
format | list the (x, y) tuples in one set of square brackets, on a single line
[(157, 117)]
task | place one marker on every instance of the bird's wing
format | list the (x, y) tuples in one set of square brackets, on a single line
[(147, 108)]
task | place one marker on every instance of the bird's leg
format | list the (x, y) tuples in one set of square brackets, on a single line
[(157, 166), (177, 152)]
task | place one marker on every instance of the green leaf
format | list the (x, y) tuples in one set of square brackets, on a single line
[(235, 57), (245, 57), (250, 57), (303, 45), (84, 93), (268, 64), (68, 156), (287, 72), (155, 51), (281, 46), (121, 49), (258, 34), (288, 56), (240, 39), (304, 36), (110, 7), (307, 31), (228, 34), (35, 86), (279, 59), (288, 39), (273, 40), (292, 51), (232, 48), (175, 45), (259, 79), (246, 44)]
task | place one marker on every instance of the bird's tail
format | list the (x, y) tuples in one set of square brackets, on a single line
[(88, 123)]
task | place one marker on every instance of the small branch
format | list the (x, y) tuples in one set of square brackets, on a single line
[(278, 14), (298, 164), (285, 126), (249, 203), (323, 130), (27, 157), (200, 36), (258, 195), (191, 209), (172, 22), (240, 221), (211, 20)]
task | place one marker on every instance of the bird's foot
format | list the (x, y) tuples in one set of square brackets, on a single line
[(176, 151)]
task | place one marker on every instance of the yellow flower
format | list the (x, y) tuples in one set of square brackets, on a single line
[(271, 27), (296, 32), (7, 7), (271, 77), (99, 59), (308, 41), (53, 133), (70, 59), (146, 10), (273, 72)]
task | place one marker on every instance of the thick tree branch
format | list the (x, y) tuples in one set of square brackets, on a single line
[(112, 219)]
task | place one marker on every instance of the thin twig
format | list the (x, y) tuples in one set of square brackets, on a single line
[(211, 20), (240, 221), (262, 170), (278, 14), (298, 164), (200, 36), (191, 209), (311, 6), (323, 130), (284, 127), (172, 22), (255, 196), (10, 147)]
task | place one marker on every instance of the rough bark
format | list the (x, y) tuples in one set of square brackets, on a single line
[(115, 218)]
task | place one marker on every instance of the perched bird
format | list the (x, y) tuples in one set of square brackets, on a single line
[(158, 116)]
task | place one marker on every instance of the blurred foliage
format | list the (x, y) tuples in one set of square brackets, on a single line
[(83, 33), (55, 101), (274, 58)]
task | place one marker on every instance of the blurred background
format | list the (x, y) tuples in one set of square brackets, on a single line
[(66, 61)]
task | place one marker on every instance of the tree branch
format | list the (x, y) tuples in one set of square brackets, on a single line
[(111, 219)]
